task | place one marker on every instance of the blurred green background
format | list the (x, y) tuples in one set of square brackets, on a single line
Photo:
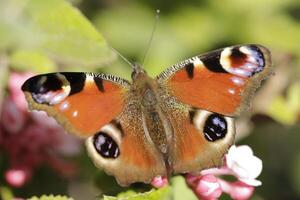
[(44, 36)]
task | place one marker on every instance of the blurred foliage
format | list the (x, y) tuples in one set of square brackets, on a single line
[(287, 109), (6, 193), (53, 184), (51, 197), (278, 146), (180, 189), (53, 29), (24, 59), (42, 36), (163, 194)]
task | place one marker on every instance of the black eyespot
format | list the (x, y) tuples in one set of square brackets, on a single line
[(215, 127), (106, 146), (42, 84)]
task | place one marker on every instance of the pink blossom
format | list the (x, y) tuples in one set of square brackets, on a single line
[(14, 85), (237, 190), (16, 177), (209, 185), (159, 181), (240, 163), (206, 187)]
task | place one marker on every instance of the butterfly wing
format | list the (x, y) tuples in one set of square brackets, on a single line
[(97, 107), (81, 102), (138, 159), (200, 140), (222, 81), (208, 91)]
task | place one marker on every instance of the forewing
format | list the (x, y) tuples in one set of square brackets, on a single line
[(222, 81), (81, 102)]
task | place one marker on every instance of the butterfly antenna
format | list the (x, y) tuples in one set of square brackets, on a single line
[(123, 57), (151, 37)]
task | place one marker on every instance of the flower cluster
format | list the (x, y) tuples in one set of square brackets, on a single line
[(208, 185), (30, 140)]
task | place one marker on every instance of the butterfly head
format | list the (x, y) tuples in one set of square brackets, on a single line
[(137, 72)]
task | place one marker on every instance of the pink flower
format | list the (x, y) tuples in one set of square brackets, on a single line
[(14, 85), (240, 163), (206, 187), (209, 187), (159, 181), (237, 190), (16, 177)]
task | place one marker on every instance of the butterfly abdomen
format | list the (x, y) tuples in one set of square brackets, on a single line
[(154, 121)]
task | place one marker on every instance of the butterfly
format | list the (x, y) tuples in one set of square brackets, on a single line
[(181, 121)]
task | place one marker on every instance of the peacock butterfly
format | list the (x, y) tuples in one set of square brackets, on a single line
[(181, 121)]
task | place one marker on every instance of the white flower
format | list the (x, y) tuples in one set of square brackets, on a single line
[(244, 164)]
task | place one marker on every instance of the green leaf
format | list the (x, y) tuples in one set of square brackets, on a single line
[(31, 60), (294, 96), (51, 197), (286, 110), (280, 111), (54, 28), (6, 193), (63, 32), (181, 190), (159, 194)]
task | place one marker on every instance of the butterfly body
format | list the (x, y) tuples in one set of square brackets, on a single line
[(181, 121)]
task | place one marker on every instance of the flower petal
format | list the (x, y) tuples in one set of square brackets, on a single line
[(251, 182), (159, 181), (16, 177), (206, 187), (244, 164)]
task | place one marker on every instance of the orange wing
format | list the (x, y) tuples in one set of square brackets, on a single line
[(207, 91), (201, 138), (97, 107), (81, 102), (136, 158), (222, 81)]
